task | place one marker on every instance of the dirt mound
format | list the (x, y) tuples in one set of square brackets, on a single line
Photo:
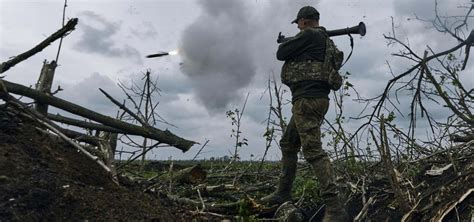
[(44, 178)]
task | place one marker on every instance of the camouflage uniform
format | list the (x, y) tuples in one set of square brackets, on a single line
[(310, 104), (304, 130)]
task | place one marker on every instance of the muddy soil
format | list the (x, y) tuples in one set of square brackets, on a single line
[(44, 178)]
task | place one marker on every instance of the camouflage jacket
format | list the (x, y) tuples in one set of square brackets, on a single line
[(307, 46)]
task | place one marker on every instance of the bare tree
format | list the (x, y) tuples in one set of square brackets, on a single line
[(143, 98)]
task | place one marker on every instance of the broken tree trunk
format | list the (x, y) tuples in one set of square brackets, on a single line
[(165, 136), (107, 146), (190, 175), (44, 84)]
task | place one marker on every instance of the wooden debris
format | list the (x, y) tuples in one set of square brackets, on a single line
[(450, 206), (82, 124), (190, 175), (148, 132), (363, 213), (437, 171), (45, 83)]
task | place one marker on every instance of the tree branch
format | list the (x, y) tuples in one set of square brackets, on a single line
[(45, 43), (166, 136)]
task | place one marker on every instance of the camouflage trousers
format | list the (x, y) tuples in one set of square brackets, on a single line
[(304, 131)]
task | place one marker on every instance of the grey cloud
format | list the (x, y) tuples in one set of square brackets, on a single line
[(216, 53), (86, 93), (144, 31), (97, 37), (425, 9), (170, 84), (421, 8)]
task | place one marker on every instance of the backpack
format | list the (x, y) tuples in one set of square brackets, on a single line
[(327, 71), (332, 63)]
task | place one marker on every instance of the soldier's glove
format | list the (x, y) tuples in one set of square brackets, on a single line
[(280, 38)]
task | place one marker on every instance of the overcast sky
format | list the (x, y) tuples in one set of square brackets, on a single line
[(226, 50)]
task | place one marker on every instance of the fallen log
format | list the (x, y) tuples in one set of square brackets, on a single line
[(83, 124), (190, 175), (92, 140), (165, 136)]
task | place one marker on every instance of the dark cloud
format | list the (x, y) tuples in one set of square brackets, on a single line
[(97, 37)]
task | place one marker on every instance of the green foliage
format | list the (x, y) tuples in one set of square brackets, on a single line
[(244, 211), (354, 167), (307, 186), (390, 117), (148, 174), (451, 57), (232, 115), (235, 116), (269, 134), (412, 170)]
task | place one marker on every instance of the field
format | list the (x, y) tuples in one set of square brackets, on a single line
[(44, 178)]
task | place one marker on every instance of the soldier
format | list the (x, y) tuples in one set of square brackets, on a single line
[(304, 55)]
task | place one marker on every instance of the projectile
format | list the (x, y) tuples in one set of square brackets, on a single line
[(158, 55)]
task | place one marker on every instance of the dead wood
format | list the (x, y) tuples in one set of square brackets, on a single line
[(37, 117), (107, 146), (202, 147), (450, 206), (44, 84), (225, 208), (363, 213), (166, 136), (124, 108), (71, 24), (92, 140), (462, 138), (385, 155), (190, 175), (210, 190), (82, 124)]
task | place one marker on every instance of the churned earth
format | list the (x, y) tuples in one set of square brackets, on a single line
[(44, 178)]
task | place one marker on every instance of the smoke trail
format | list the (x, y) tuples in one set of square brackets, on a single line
[(215, 53), (223, 48)]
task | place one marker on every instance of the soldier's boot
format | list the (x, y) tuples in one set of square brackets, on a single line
[(335, 211), (285, 184)]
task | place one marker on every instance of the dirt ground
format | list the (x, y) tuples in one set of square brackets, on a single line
[(44, 178)]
